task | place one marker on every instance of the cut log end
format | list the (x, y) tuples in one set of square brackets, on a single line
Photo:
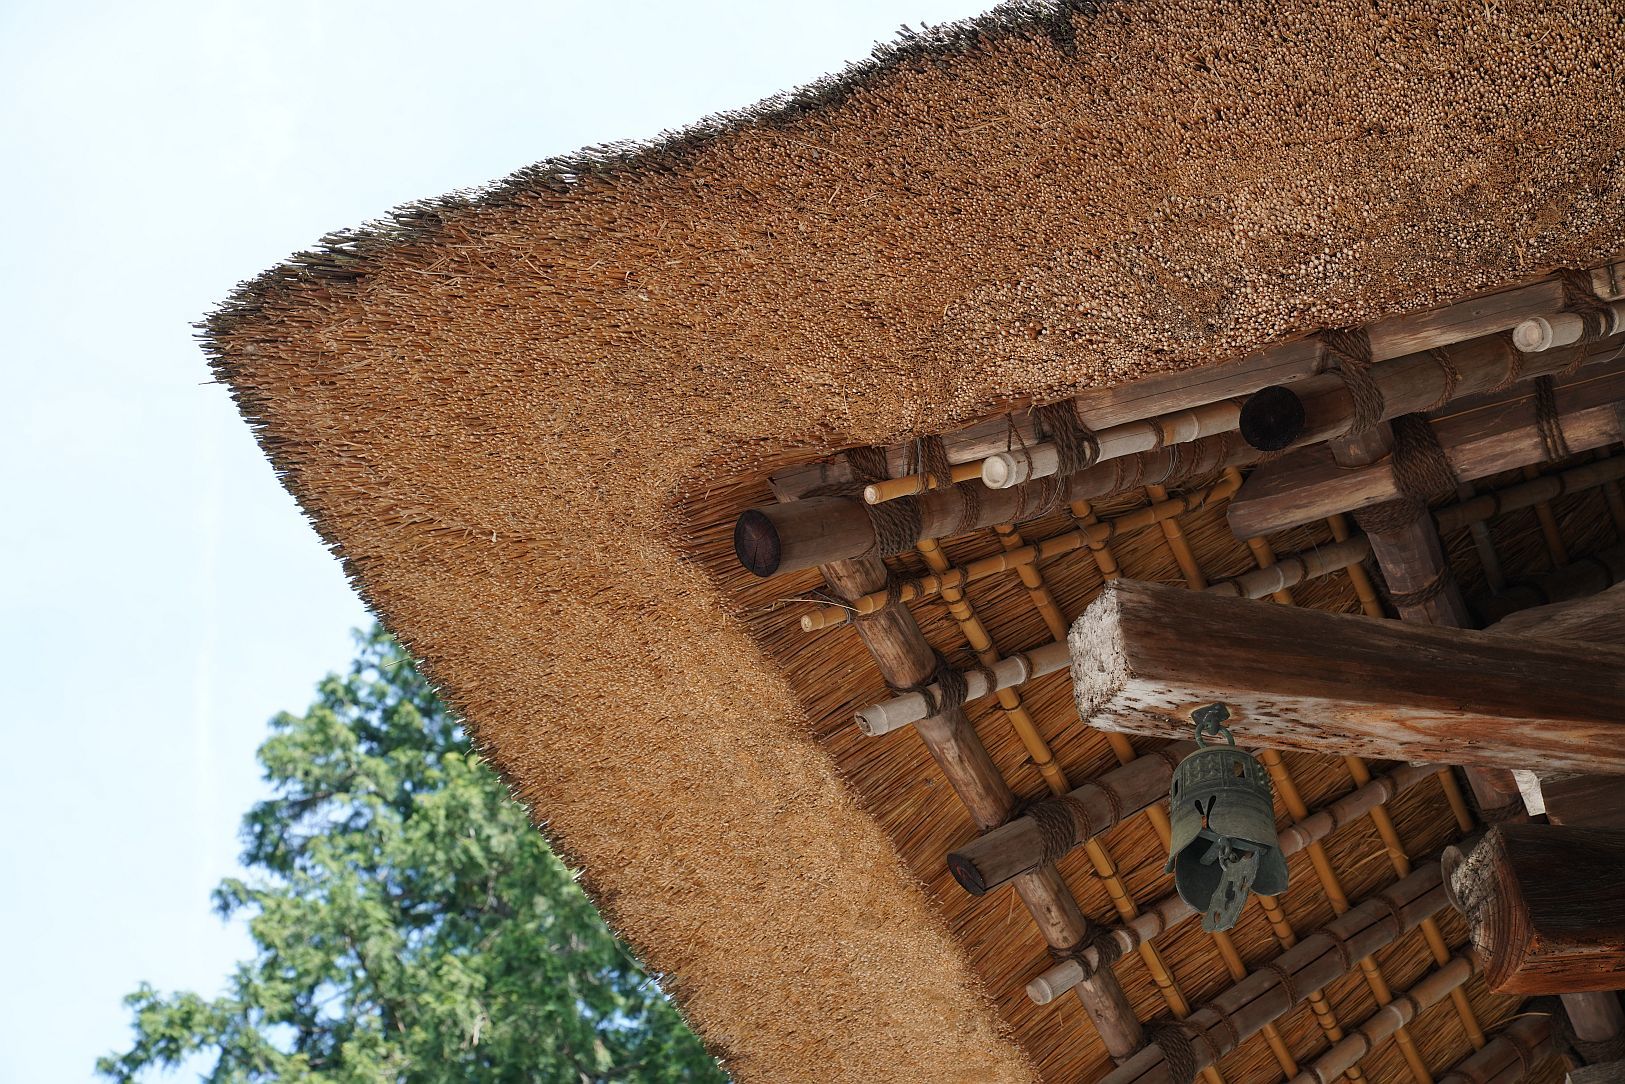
[(757, 544), (965, 872), (1272, 419), (1099, 667)]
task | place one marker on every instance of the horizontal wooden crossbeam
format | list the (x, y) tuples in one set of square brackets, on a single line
[(1145, 656)]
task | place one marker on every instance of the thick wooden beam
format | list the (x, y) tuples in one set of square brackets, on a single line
[(1240, 1012), (1546, 906), (1309, 484), (1144, 656), (904, 658)]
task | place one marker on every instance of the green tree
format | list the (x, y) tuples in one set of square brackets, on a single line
[(410, 924)]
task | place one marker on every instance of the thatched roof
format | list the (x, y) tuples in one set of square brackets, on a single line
[(526, 417)]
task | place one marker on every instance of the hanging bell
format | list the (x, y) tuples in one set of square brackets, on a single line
[(1222, 818)]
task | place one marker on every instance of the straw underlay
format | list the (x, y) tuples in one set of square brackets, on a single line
[(524, 418)]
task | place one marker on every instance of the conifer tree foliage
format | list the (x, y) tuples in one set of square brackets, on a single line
[(409, 922)]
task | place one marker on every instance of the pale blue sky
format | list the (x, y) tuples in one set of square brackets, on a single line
[(160, 596)]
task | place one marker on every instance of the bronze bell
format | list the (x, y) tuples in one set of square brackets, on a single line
[(1222, 815)]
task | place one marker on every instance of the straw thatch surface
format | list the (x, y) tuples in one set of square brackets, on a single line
[(524, 417)]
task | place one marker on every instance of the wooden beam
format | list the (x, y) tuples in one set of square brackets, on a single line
[(1546, 907), (784, 537), (1509, 1056), (1021, 845), (1309, 484), (1262, 997), (904, 658), (1144, 656), (1322, 407)]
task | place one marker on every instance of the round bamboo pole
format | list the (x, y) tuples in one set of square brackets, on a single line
[(1540, 333), (1527, 494), (1005, 469)]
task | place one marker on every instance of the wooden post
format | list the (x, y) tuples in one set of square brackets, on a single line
[(1185, 1047), (1144, 656), (905, 658), (1424, 591), (1309, 484), (1612, 1072), (1546, 905)]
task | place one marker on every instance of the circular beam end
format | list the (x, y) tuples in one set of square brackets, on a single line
[(1272, 419), (757, 543)]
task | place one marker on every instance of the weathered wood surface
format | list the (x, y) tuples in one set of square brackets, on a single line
[(903, 657), (1546, 907), (1261, 998), (1144, 656), (1412, 561), (1581, 801), (1309, 484), (1018, 846)]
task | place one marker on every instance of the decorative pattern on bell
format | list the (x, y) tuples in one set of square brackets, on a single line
[(1222, 815)]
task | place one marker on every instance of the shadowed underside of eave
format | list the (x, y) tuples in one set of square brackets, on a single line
[(504, 411)]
